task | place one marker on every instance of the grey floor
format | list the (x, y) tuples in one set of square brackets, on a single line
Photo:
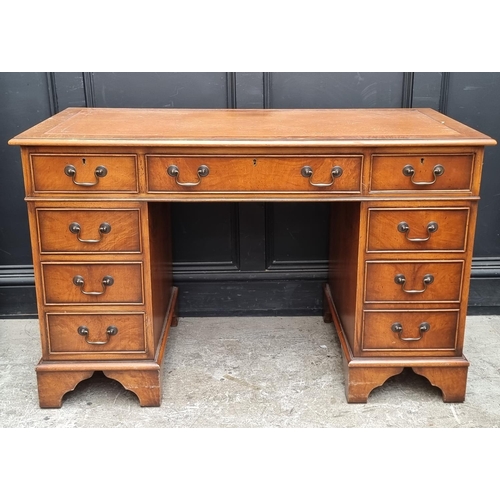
[(252, 372)]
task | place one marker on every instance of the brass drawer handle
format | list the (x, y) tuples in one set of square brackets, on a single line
[(307, 171), (99, 172), (173, 171), (84, 331), (404, 227), (106, 281), (400, 279), (75, 228), (398, 328), (409, 171)]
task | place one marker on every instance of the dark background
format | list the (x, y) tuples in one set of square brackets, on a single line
[(244, 258)]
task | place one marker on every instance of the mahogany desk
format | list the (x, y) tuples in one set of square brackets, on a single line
[(404, 186)]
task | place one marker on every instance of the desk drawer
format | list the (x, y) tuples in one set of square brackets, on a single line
[(92, 283), (88, 230), (84, 173), (95, 333), (421, 172), (214, 174), (422, 281), (428, 229), (404, 331)]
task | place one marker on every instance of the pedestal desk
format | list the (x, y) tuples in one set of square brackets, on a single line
[(403, 186)]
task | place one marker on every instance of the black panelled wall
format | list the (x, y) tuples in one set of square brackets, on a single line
[(244, 258)]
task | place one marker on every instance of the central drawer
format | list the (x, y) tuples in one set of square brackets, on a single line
[(94, 283), (216, 174)]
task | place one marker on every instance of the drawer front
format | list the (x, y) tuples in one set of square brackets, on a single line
[(84, 173), (403, 230), (82, 231), (410, 330), (214, 174), (421, 172), (96, 283), (90, 333), (423, 281)]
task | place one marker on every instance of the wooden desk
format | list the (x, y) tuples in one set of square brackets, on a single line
[(404, 186)]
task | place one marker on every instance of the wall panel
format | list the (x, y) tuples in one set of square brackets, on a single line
[(24, 101), (161, 90), (474, 98), (244, 258), (336, 90)]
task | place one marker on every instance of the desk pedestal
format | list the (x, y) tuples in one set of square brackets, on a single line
[(362, 375), (143, 378)]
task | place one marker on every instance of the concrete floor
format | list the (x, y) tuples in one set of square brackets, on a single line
[(252, 372)]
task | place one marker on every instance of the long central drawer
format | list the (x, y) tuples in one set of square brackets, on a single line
[(316, 173)]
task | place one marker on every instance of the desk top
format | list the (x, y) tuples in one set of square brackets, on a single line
[(250, 127)]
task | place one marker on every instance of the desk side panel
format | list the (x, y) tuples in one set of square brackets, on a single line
[(343, 263), (159, 242)]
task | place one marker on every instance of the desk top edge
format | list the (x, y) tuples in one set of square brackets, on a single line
[(181, 127)]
